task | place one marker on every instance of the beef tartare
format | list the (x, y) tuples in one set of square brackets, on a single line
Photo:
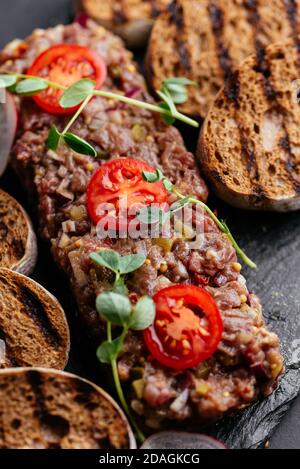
[(247, 362)]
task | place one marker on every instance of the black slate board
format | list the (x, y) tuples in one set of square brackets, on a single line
[(271, 240)]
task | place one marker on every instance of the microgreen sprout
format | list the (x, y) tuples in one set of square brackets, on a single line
[(116, 309), (173, 91), (184, 200)]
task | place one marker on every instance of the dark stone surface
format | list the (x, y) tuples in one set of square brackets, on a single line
[(271, 240)]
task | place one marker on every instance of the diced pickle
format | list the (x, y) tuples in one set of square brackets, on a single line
[(138, 386), (165, 243)]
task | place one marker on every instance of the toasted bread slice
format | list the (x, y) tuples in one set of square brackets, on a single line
[(250, 142), (33, 327), (131, 19), (45, 409), (18, 246), (206, 40)]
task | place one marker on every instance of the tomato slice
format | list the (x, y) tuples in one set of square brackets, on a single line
[(119, 185), (187, 329), (65, 64)]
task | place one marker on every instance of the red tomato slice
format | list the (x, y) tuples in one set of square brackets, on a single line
[(119, 183), (187, 329), (65, 64)]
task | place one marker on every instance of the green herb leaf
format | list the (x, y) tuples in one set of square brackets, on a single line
[(53, 139), (77, 93), (178, 93), (151, 177), (169, 120), (109, 351), (131, 263), (114, 307), (107, 258), (143, 314), (179, 81), (8, 80), (159, 174), (120, 287), (180, 204), (167, 185), (79, 145), (31, 86), (166, 97)]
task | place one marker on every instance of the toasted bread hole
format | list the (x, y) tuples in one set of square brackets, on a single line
[(219, 157), (214, 88), (54, 427), (15, 424), (91, 406), (272, 170), (265, 72), (256, 128), (236, 181), (278, 56)]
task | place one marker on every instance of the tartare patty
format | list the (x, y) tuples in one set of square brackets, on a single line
[(248, 362)]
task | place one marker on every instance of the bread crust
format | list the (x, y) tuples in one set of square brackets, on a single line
[(18, 249), (37, 333), (207, 40), (248, 147), (130, 19), (45, 408)]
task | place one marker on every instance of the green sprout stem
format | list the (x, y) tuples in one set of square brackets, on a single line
[(106, 94), (114, 366), (223, 227), (50, 83), (150, 107), (77, 114)]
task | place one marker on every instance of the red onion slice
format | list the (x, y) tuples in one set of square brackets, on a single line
[(82, 19), (8, 127), (182, 440)]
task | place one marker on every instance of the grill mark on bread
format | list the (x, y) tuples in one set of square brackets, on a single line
[(216, 176), (290, 165), (252, 165), (272, 97), (176, 17), (119, 14), (155, 11), (291, 9), (262, 65), (36, 311), (3, 230), (216, 16), (176, 14), (35, 381)]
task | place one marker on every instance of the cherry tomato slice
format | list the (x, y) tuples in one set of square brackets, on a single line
[(65, 64), (119, 184), (187, 329)]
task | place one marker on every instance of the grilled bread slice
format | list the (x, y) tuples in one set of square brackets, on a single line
[(206, 40), (48, 409), (33, 327), (250, 142), (18, 245), (131, 19)]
